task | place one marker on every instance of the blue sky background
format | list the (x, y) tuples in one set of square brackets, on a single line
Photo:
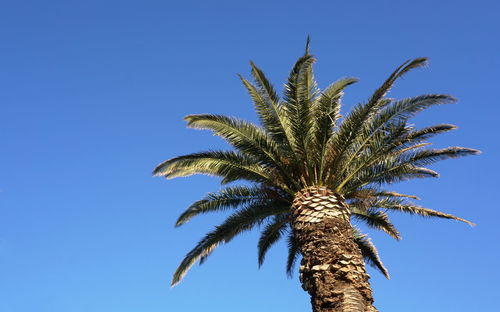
[(92, 96)]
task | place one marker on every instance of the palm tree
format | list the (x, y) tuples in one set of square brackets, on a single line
[(309, 172)]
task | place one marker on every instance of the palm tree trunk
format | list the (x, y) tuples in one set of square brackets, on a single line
[(332, 270)]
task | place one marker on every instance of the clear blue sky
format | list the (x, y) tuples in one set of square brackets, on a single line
[(92, 95)]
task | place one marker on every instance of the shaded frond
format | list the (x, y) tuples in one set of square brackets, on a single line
[(428, 132), (293, 253), (242, 220), (354, 123), (398, 73), (369, 252), (272, 232), (430, 156), (387, 122), (375, 219), (226, 198)]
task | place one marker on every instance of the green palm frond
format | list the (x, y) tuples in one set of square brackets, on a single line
[(399, 167), (428, 132), (375, 219), (293, 253), (430, 156), (226, 164), (352, 125), (398, 73), (401, 205), (299, 91), (226, 198), (395, 194), (271, 234), (242, 220), (389, 121), (325, 114), (369, 252), (244, 136), (271, 114)]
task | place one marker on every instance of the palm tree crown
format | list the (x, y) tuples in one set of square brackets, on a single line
[(303, 141)]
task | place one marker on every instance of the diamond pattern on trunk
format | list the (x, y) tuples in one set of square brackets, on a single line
[(315, 203)]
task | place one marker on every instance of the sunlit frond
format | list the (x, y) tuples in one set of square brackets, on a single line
[(375, 219), (403, 206)]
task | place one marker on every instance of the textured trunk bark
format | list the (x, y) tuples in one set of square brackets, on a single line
[(332, 270)]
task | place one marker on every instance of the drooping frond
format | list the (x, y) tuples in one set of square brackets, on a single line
[(226, 198), (369, 252), (242, 220), (271, 234), (375, 219), (293, 253)]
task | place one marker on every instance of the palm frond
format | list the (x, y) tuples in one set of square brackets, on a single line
[(392, 117), (395, 194), (375, 219), (226, 198), (369, 252), (405, 207), (271, 234), (428, 132), (353, 123), (242, 220), (225, 164), (398, 73), (244, 136), (300, 89), (399, 167), (266, 104), (325, 114), (430, 156), (293, 253)]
